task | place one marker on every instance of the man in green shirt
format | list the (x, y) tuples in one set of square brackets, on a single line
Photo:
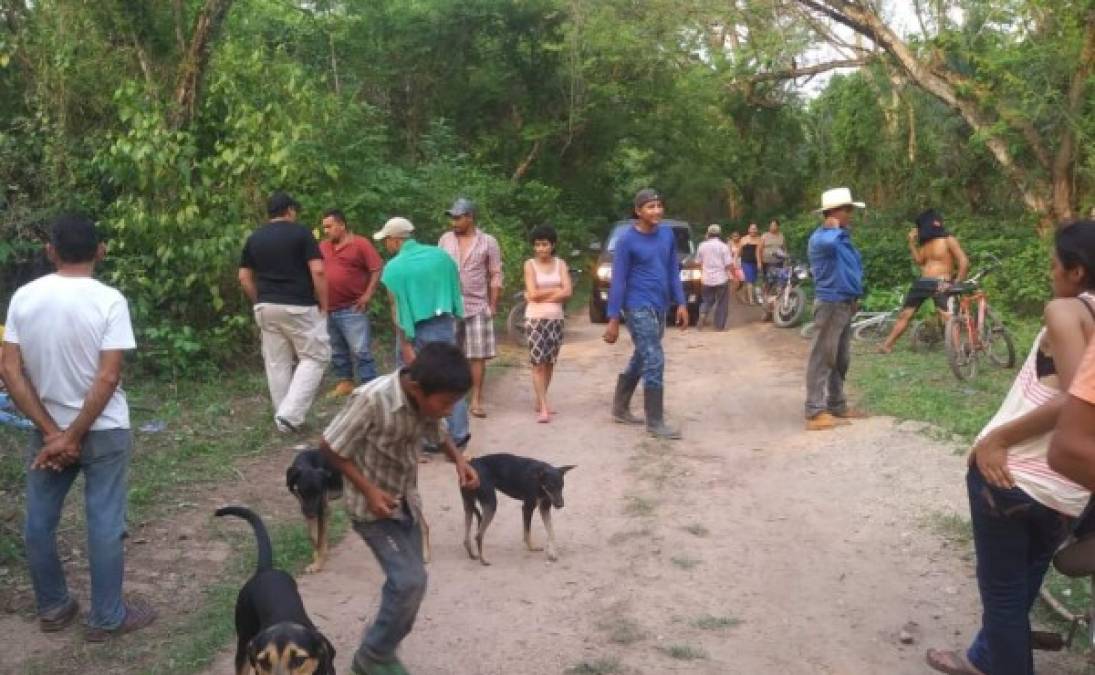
[(424, 288)]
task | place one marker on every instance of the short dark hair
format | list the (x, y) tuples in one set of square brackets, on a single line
[(774, 220), (441, 367), (74, 238), (1075, 244), (544, 233), (337, 214), (279, 204)]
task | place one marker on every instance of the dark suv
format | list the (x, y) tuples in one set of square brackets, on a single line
[(686, 252)]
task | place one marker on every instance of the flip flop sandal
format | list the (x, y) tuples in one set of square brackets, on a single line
[(950, 662)]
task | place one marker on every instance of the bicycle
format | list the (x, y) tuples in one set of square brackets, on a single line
[(973, 329)]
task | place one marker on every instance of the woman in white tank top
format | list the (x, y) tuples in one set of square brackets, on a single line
[(547, 288), (1019, 507)]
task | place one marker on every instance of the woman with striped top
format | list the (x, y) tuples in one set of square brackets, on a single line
[(547, 288), (1019, 507)]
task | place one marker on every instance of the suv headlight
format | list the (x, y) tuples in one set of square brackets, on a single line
[(604, 272), (691, 275)]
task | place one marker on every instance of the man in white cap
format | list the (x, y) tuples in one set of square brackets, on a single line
[(838, 285), (716, 266), (424, 288)]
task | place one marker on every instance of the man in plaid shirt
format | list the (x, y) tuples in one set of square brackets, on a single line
[(374, 443)]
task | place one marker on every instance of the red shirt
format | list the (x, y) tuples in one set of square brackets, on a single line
[(348, 269)]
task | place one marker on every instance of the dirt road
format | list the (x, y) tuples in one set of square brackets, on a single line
[(749, 547)]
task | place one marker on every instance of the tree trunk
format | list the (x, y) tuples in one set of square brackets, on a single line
[(196, 59), (1064, 179)]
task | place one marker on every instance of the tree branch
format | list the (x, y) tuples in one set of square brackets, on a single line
[(804, 71)]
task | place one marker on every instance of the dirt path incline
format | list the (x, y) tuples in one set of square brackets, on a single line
[(749, 547)]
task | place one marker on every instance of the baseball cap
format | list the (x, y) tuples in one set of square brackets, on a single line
[(714, 229), (397, 227), (279, 201), (462, 206), (646, 195)]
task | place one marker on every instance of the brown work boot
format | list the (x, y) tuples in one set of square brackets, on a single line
[(850, 414), (821, 422), (343, 388), (60, 618), (138, 615)]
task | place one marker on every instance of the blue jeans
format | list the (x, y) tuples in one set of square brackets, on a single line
[(104, 459), (349, 330), (442, 329), (1015, 538), (646, 326), (397, 545)]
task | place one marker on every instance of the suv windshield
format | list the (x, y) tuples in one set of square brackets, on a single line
[(680, 233)]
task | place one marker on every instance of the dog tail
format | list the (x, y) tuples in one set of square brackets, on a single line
[(266, 550)]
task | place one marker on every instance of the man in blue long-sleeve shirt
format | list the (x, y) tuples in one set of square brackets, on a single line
[(838, 285), (646, 281)]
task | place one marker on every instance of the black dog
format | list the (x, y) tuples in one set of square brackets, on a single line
[(532, 482), (314, 483), (275, 633)]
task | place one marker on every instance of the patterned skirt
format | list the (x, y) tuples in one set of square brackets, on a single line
[(545, 337)]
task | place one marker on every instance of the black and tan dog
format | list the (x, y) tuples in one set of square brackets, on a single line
[(275, 634), (314, 483), (534, 483)]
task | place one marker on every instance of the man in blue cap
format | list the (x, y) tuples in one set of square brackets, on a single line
[(479, 259), (646, 281)]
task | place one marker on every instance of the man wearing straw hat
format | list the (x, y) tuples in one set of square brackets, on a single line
[(838, 284)]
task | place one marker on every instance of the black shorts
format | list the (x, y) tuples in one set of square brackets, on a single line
[(922, 289)]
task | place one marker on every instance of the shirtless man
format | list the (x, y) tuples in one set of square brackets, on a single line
[(937, 255)]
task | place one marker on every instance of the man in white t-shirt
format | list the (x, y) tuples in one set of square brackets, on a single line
[(63, 348), (716, 267)]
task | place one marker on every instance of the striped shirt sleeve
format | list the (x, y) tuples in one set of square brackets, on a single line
[(349, 427)]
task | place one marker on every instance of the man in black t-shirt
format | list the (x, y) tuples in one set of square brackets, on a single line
[(281, 271)]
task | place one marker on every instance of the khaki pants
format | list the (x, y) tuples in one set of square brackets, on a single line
[(292, 332)]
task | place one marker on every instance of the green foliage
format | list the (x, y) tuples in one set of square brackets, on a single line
[(542, 111)]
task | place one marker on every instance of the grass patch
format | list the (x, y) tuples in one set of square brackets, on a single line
[(685, 563), (709, 622), (954, 528), (920, 386), (697, 530), (604, 666), (622, 631), (683, 652), (628, 535), (639, 506)]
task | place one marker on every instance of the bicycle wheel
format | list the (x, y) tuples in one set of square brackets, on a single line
[(961, 356), (515, 324), (874, 330), (999, 345)]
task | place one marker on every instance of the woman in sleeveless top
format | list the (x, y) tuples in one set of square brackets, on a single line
[(547, 288), (1019, 507), (749, 263)]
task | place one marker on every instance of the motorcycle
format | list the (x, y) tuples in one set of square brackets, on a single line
[(785, 298)]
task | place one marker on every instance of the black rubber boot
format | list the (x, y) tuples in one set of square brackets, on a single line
[(654, 403), (621, 401)]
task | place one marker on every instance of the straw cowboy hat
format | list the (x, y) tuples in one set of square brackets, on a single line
[(837, 197)]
